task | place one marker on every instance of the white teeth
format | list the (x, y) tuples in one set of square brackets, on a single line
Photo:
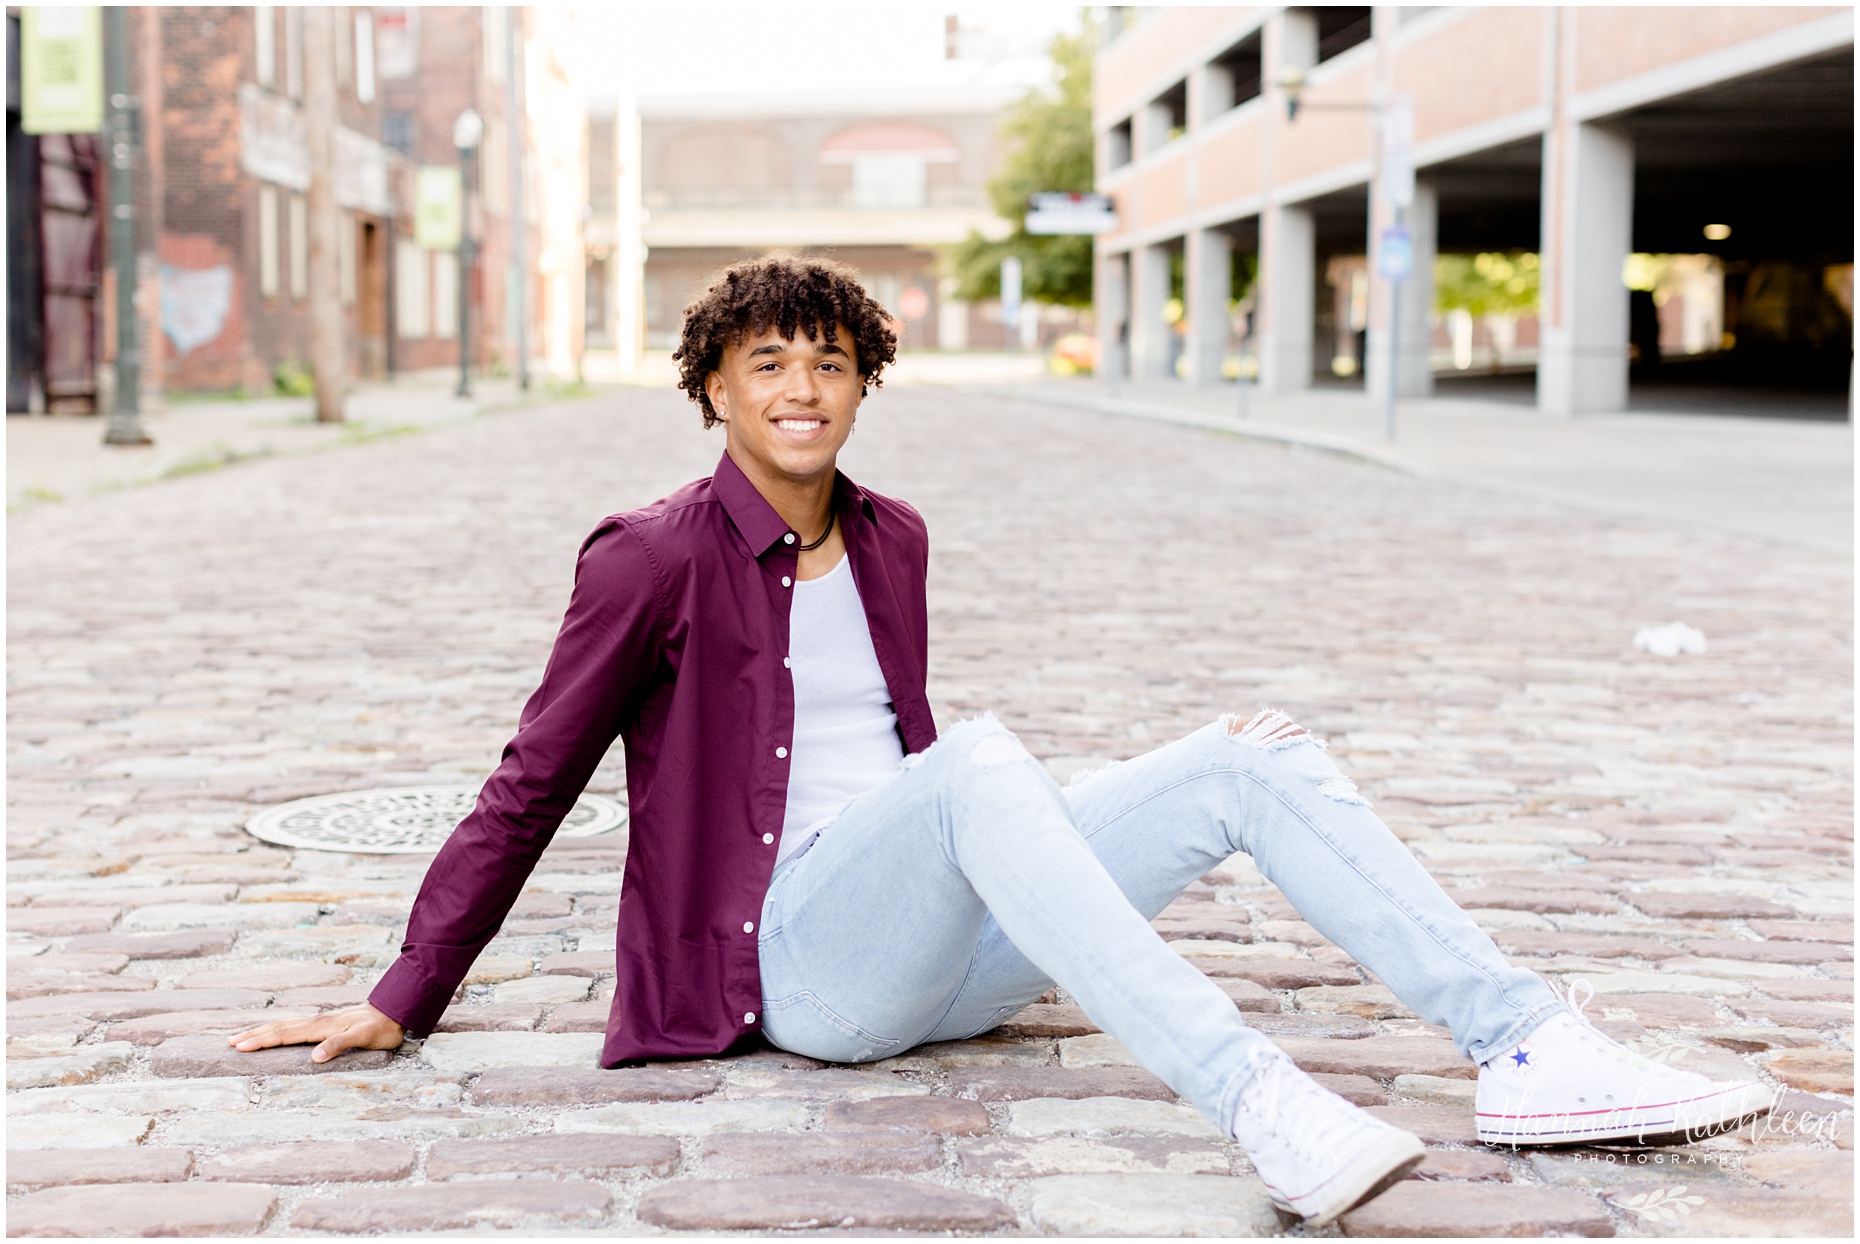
[(797, 425)]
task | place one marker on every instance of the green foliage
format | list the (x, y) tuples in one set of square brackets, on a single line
[(293, 379), (1050, 148), (1486, 284)]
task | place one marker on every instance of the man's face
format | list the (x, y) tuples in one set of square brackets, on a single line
[(788, 404)]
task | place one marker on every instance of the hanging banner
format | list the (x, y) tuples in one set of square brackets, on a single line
[(1397, 173), (437, 208), (61, 70)]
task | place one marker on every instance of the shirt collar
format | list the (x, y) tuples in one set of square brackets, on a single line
[(756, 518)]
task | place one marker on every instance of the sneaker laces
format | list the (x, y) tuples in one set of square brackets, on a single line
[(1278, 1092), (1615, 1049)]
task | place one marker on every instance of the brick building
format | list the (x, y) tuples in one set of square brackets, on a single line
[(222, 211), (227, 169), (878, 181)]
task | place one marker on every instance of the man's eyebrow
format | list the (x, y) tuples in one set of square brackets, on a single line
[(781, 347)]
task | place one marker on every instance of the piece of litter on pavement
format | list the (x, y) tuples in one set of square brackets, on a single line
[(1670, 640)]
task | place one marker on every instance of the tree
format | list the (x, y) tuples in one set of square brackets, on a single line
[(1050, 148), (1486, 284)]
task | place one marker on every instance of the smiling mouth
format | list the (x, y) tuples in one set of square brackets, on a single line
[(799, 425)]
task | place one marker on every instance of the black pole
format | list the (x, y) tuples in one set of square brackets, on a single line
[(125, 426)]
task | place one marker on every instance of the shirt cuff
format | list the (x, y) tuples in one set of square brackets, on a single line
[(418, 988)]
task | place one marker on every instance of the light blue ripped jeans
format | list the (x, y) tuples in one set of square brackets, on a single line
[(944, 900)]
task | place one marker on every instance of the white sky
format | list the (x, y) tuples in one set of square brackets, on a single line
[(716, 45)]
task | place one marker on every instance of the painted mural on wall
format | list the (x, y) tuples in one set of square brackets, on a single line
[(194, 305)]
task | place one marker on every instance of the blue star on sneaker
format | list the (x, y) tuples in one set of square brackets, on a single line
[(1522, 1058)]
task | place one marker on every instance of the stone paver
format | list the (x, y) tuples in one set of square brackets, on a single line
[(1419, 1207), (845, 1153), (449, 1159), (184, 1209), (310, 1163), (472, 1205), (1676, 831), (819, 1202), (1154, 1205), (53, 1168)]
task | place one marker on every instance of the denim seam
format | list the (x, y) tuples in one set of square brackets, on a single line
[(832, 1016)]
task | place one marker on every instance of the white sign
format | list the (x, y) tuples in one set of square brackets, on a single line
[(273, 146), (194, 305), (1072, 214), (1010, 291), (1398, 150)]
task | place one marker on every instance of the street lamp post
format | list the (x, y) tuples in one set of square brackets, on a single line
[(467, 131), (125, 427)]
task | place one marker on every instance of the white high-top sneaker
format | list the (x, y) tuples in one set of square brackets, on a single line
[(1318, 1155), (1567, 1082)]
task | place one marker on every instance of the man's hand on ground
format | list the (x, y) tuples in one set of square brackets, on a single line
[(351, 1028)]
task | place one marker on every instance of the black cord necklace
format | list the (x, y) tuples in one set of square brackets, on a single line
[(809, 548)]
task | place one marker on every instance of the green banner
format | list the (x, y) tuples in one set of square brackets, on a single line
[(438, 205), (61, 70)]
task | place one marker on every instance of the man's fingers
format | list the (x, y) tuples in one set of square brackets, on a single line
[(280, 1032), (335, 1044)]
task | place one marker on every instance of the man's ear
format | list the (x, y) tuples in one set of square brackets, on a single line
[(713, 389)]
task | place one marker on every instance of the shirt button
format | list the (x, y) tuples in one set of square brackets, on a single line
[(749, 926), (787, 663), (749, 1017), (768, 838), (786, 581), (788, 539), (781, 753)]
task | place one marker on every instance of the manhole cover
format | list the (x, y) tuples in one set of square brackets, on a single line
[(403, 820)]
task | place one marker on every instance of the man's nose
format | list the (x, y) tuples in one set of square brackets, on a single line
[(802, 385)]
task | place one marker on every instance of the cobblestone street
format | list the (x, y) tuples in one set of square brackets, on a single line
[(1676, 831)]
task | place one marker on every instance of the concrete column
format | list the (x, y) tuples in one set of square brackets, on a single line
[(1111, 310), (1209, 277), (1149, 331), (1287, 285), (1588, 230), (1417, 300)]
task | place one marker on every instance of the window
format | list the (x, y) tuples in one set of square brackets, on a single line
[(345, 260), (268, 241), (495, 21), (294, 51), (1117, 144), (397, 132), (1234, 76), (889, 179), (1166, 118), (410, 290), (300, 248), (494, 168), (265, 44), (1340, 28), (445, 295), (365, 57)]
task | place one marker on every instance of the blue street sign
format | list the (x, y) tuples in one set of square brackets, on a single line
[(1396, 258)]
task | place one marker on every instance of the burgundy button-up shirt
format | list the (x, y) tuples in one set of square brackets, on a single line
[(674, 640)]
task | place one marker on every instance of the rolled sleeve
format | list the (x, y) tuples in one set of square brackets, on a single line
[(604, 659)]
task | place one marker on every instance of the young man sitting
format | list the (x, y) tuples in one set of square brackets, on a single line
[(811, 864)]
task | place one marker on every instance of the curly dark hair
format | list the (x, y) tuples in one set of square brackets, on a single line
[(789, 294)]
